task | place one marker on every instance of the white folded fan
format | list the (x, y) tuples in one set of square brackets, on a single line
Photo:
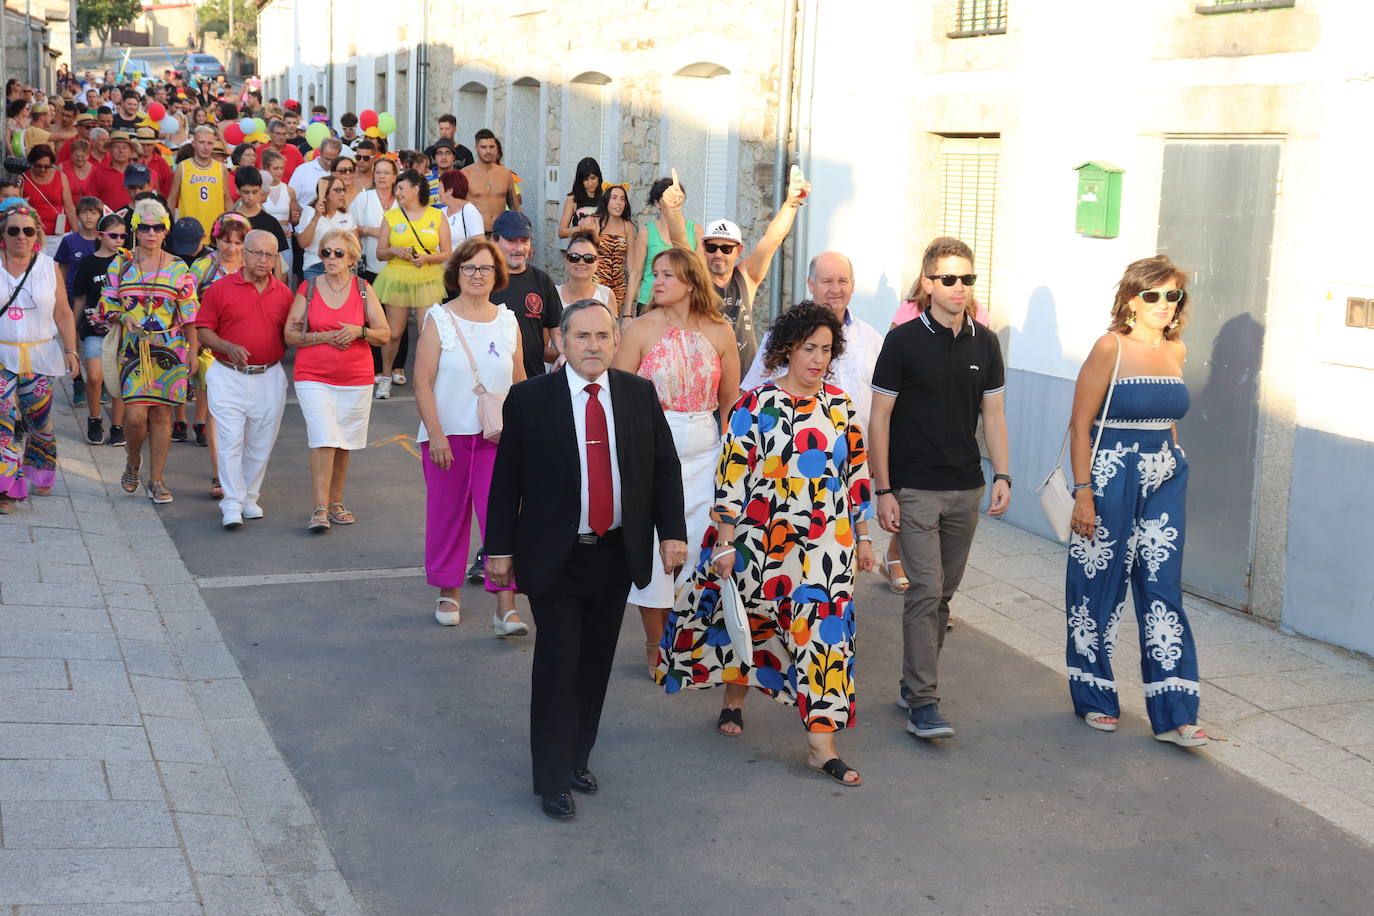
[(736, 621)]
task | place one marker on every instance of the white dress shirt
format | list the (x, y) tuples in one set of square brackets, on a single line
[(303, 181), (853, 371), (577, 385)]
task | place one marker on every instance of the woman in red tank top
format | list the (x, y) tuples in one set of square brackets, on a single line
[(46, 190), (332, 322)]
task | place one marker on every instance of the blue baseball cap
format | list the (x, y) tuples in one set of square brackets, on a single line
[(511, 224)]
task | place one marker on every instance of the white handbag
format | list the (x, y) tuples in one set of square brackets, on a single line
[(736, 621), (1056, 498)]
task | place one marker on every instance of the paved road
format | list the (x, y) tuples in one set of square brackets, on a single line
[(410, 741)]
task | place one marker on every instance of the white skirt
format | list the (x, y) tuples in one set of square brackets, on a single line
[(697, 438), (335, 415)]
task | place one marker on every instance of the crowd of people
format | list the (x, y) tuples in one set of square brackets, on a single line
[(620, 437)]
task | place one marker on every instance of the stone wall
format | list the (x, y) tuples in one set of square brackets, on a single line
[(640, 45)]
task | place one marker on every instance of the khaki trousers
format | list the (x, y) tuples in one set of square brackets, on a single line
[(937, 528)]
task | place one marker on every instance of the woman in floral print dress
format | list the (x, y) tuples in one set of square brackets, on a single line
[(792, 501), (1129, 497)]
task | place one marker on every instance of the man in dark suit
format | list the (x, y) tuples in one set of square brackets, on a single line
[(586, 473)]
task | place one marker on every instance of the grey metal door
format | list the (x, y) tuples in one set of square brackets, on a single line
[(1216, 221)]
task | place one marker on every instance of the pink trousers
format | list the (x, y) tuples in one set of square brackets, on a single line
[(450, 498)]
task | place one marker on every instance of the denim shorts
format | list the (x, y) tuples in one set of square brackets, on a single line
[(90, 347)]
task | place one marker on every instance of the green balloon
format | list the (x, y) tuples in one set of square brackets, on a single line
[(386, 123), (316, 134), (260, 125)]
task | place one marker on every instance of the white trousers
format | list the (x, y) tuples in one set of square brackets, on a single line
[(247, 411)]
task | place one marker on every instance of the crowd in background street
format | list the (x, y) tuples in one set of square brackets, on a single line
[(621, 436)]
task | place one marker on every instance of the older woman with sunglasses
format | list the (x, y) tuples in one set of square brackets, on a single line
[(150, 301), (332, 320), (581, 258), (47, 191), (35, 314)]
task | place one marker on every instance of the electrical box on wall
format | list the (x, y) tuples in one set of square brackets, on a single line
[(553, 188), (1099, 200)]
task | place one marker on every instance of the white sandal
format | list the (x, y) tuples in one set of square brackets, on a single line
[(896, 584), (1185, 736), (1098, 721), (447, 618), (504, 627)]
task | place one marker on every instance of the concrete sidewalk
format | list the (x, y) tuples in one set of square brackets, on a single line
[(134, 767), (1295, 715)]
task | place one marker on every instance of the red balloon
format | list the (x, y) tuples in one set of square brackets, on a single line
[(367, 119), (233, 135), (157, 112)]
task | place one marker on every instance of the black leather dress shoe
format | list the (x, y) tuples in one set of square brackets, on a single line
[(583, 781), (558, 805)]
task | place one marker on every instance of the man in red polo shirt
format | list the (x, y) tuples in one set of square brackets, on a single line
[(241, 318), (280, 134)]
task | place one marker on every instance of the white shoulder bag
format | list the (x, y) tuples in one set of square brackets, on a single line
[(1056, 498)]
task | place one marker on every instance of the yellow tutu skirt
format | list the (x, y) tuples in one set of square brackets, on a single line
[(403, 284)]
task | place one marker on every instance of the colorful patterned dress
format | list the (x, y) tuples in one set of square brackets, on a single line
[(153, 361), (793, 478)]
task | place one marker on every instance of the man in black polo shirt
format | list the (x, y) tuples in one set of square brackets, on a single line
[(934, 377)]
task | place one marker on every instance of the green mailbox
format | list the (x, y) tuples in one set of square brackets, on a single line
[(1099, 200)]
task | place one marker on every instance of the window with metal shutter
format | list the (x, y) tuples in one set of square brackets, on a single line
[(968, 201)]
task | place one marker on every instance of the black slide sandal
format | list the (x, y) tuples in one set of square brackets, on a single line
[(731, 717), (835, 768)]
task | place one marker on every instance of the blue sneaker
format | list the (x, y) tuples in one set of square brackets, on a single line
[(904, 697), (926, 722)]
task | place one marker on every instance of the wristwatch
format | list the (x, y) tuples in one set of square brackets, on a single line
[(1006, 477)]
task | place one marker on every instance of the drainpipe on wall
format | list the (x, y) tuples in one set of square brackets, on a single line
[(801, 120), (422, 76), (783, 129)]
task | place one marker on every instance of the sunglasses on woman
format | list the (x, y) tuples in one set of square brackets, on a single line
[(15, 230), (152, 227), (1151, 296), (348, 171), (951, 279), (333, 253), (579, 258)]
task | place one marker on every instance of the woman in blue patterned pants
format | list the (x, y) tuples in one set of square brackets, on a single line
[(1128, 518)]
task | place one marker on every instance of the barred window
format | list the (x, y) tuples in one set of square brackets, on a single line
[(1232, 6), (968, 200), (980, 17)]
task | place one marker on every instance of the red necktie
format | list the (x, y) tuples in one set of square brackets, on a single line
[(600, 510)]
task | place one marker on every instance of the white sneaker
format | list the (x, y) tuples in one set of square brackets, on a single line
[(383, 389), (504, 626), (253, 511), (232, 519), (447, 618)]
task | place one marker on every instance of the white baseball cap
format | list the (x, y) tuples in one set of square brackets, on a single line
[(723, 229)]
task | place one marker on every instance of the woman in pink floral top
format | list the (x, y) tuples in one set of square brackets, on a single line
[(687, 349)]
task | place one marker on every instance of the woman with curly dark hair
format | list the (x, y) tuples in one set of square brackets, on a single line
[(790, 523)]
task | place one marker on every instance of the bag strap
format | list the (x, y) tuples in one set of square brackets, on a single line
[(309, 298), (20, 285), (413, 231), (472, 361), (1106, 404)]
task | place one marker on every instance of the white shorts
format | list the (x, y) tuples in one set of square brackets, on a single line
[(335, 415)]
